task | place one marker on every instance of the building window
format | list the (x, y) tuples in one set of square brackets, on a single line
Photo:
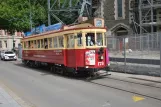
[(5, 43), (119, 8)]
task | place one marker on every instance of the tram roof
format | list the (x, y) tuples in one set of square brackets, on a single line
[(89, 24)]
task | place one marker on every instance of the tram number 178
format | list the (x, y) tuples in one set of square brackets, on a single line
[(100, 63)]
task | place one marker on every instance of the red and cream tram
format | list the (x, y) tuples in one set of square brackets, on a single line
[(74, 48)]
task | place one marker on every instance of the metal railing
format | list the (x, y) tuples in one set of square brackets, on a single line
[(139, 54)]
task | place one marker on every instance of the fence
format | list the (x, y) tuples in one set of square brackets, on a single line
[(139, 54)]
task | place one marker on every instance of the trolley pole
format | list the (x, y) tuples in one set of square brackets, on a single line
[(30, 15)]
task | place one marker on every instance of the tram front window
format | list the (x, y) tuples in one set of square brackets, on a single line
[(90, 39), (99, 39)]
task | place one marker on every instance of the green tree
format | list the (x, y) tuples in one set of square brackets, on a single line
[(16, 14)]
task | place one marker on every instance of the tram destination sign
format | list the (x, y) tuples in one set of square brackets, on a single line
[(99, 22)]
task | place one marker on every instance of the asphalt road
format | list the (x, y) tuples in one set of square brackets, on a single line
[(43, 89)]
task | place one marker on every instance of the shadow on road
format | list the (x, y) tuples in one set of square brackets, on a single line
[(46, 71)]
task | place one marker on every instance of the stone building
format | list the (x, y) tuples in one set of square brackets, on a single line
[(116, 15), (126, 17), (7, 41)]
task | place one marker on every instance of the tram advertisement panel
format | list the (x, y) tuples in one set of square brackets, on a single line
[(90, 57)]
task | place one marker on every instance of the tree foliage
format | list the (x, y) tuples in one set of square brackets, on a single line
[(16, 14)]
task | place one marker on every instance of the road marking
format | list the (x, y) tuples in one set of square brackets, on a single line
[(106, 104), (137, 98)]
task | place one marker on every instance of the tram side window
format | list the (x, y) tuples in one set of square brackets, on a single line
[(99, 39), (42, 43), (70, 41), (55, 42), (50, 42), (24, 45), (79, 39), (32, 46), (35, 46), (61, 41), (46, 43), (38, 43), (90, 39), (29, 44)]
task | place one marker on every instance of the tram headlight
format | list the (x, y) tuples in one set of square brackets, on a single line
[(100, 52), (101, 57)]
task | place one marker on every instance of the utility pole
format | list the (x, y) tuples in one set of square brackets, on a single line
[(160, 51), (13, 42), (49, 19), (30, 15)]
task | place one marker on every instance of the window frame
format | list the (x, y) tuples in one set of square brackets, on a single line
[(116, 10), (59, 41), (69, 41)]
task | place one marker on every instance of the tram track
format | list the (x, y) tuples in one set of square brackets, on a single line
[(132, 91), (145, 84), (114, 83), (126, 90)]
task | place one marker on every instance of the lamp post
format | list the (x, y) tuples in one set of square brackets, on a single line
[(13, 43)]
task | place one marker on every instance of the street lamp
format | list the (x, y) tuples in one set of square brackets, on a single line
[(13, 43)]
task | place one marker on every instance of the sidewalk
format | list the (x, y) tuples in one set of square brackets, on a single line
[(136, 77), (10, 99), (6, 100)]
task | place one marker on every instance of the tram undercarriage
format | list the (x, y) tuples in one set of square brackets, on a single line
[(90, 73)]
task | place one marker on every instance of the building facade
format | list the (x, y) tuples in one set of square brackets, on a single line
[(126, 17), (116, 15), (8, 41)]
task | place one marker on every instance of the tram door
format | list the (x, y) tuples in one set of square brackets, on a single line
[(70, 50)]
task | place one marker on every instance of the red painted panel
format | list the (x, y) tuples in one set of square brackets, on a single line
[(70, 58), (50, 56)]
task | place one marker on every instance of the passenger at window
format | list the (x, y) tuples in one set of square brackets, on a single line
[(92, 42), (90, 39)]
